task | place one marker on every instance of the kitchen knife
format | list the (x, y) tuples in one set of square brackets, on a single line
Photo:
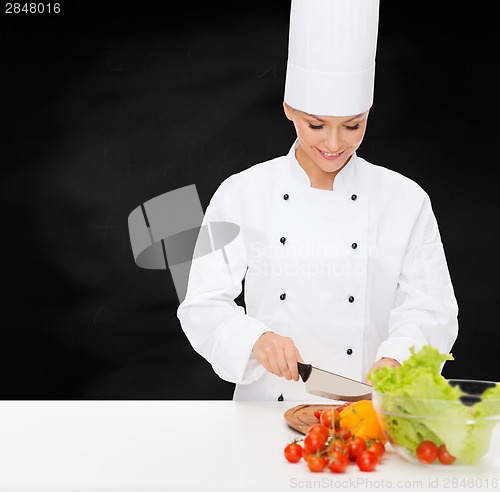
[(333, 386)]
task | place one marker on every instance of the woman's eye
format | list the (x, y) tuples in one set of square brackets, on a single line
[(354, 127), (315, 127)]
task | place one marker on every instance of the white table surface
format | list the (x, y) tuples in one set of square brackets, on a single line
[(187, 445)]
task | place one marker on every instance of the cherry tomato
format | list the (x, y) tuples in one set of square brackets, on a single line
[(338, 462), (343, 433), (444, 456), (305, 454), (317, 413), (314, 442), (293, 452), (343, 406), (355, 447), (338, 445), (321, 429), (327, 417), (336, 416), (335, 419), (316, 463), (427, 452), (367, 461), (376, 447)]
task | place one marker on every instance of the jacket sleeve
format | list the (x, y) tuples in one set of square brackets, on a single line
[(425, 310), (214, 324)]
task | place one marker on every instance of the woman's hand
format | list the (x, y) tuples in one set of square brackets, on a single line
[(384, 361), (278, 355)]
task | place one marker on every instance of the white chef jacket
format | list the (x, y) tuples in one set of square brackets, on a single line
[(351, 275)]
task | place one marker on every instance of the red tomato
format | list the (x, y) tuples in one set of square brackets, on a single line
[(343, 406), (355, 447), (336, 419), (320, 429), (317, 413), (338, 462), (338, 445), (427, 452), (316, 463), (343, 433), (444, 456), (305, 454), (327, 417), (376, 447), (293, 452), (314, 442), (367, 461)]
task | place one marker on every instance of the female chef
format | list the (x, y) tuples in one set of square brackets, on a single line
[(342, 260)]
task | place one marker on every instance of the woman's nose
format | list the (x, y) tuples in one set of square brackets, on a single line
[(333, 142)]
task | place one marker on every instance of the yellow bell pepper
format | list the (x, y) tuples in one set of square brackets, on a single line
[(360, 417)]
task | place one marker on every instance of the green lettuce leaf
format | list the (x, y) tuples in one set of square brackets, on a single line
[(420, 405), (485, 415)]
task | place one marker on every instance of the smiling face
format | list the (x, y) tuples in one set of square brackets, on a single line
[(326, 143)]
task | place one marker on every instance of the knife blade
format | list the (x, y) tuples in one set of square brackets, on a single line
[(333, 386)]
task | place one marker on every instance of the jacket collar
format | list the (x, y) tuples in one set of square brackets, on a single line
[(344, 181)]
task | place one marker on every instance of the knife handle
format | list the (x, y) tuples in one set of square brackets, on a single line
[(304, 371)]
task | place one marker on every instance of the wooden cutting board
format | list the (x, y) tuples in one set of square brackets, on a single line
[(301, 417)]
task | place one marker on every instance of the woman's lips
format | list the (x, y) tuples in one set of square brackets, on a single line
[(330, 156)]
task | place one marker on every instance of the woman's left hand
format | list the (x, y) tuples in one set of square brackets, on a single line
[(384, 361)]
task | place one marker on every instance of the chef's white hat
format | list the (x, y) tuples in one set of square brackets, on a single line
[(331, 56)]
